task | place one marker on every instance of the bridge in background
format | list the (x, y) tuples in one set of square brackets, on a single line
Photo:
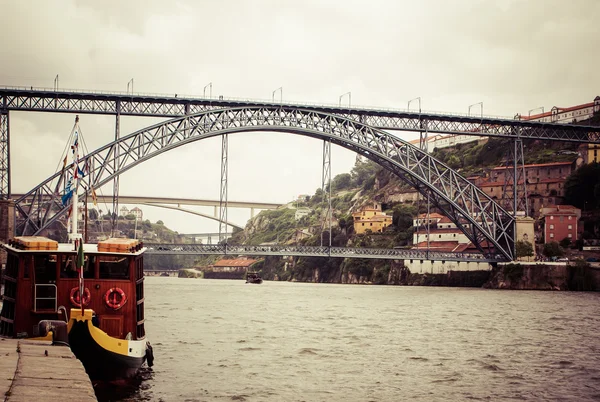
[(482, 220), (175, 203), (317, 251)]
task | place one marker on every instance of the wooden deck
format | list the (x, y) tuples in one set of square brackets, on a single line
[(38, 371)]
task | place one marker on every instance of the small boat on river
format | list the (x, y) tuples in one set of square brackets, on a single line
[(253, 277)]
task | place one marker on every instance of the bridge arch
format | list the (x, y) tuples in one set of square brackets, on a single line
[(484, 222)]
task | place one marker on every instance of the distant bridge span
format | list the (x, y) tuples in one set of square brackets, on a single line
[(316, 251)]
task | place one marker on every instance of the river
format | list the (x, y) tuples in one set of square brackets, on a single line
[(220, 340)]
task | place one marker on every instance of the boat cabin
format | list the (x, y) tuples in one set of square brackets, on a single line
[(41, 277)]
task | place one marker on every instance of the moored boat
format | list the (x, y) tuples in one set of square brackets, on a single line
[(108, 335), (103, 284), (253, 277)]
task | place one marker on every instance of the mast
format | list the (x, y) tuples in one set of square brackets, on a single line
[(74, 236)]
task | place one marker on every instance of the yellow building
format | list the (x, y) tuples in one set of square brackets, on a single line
[(370, 218), (593, 153)]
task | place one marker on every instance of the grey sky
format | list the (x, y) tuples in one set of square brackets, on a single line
[(511, 55)]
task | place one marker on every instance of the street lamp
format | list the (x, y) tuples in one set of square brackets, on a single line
[(537, 108), (209, 86), (475, 104), (280, 89), (349, 98), (56, 83), (130, 83), (419, 99)]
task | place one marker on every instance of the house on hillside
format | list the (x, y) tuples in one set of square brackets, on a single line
[(560, 222), (370, 218)]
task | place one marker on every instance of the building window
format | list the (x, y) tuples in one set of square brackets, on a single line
[(570, 235), (552, 235), (551, 217), (569, 218), (551, 226), (570, 227)]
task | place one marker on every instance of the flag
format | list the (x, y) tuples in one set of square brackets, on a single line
[(65, 162), (94, 197), (65, 198), (80, 172)]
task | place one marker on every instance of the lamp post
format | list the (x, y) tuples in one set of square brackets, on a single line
[(475, 104), (416, 99), (209, 86), (280, 89), (56, 83), (349, 98), (130, 82), (536, 108)]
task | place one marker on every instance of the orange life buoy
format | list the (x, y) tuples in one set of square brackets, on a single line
[(115, 298), (76, 299)]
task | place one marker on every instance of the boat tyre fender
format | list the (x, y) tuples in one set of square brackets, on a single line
[(76, 299), (115, 298), (149, 355)]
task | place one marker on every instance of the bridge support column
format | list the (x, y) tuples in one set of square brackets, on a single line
[(7, 224), (4, 154), (515, 197), (524, 231), (223, 200), (326, 188)]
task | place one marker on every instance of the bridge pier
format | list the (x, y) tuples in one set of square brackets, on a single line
[(7, 224)]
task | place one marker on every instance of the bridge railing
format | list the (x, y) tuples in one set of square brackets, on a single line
[(184, 97)]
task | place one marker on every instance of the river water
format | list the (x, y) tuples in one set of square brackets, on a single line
[(220, 340)]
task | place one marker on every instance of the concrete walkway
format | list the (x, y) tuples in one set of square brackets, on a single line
[(37, 371)]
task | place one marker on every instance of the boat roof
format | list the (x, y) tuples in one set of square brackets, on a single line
[(69, 248)]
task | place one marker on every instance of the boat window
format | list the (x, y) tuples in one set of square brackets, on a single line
[(114, 267), (69, 270), (45, 268)]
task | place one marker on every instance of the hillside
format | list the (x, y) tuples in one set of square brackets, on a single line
[(365, 184)]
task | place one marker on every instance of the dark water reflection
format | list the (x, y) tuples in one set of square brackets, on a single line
[(229, 341)]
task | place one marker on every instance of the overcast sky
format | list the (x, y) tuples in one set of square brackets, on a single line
[(513, 56)]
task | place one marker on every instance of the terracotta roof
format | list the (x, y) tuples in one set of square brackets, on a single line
[(560, 213), (432, 215), (559, 207), (560, 110), (438, 231), (238, 262), (536, 165)]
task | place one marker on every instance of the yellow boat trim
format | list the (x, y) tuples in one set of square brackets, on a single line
[(115, 345), (48, 337)]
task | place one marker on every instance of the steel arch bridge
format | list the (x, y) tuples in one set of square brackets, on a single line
[(485, 223)]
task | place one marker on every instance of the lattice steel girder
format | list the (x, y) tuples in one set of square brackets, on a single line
[(314, 251), (483, 220), (163, 106), (4, 155)]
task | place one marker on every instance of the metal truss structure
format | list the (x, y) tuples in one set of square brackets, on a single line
[(484, 222), (119, 104), (314, 251), (515, 181), (223, 193), (326, 191), (51, 100)]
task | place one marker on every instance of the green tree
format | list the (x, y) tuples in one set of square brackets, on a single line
[(582, 187), (341, 182), (159, 222), (553, 249), (565, 243), (524, 249)]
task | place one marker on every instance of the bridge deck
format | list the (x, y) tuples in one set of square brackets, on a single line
[(318, 251)]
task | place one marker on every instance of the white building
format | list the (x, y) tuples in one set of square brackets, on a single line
[(301, 212)]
